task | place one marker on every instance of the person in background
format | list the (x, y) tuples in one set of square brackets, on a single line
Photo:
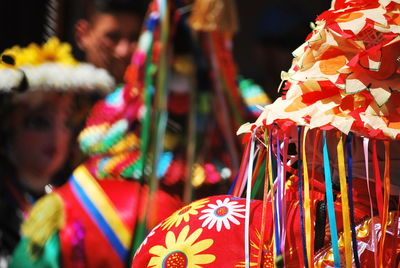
[(89, 211), (108, 33), (39, 120)]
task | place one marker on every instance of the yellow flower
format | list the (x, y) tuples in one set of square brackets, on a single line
[(29, 56), (55, 51), (182, 251), (52, 51), (184, 214), (267, 255)]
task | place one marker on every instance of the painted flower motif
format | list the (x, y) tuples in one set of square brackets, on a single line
[(267, 257), (222, 213), (147, 238), (182, 251), (183, 214)]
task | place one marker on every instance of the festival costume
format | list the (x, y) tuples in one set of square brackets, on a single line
[(84, 213), (168, 126), (64, 226), (141, 131), (37, 70), (337, 113)]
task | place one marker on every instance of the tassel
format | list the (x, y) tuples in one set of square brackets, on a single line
[(214, 15), (46, 217)]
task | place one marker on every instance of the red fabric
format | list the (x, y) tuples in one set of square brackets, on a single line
[(227, 247), (82, 242), (227, 244)]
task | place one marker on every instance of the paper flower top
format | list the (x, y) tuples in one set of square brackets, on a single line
[(347, 73), (50, 67)]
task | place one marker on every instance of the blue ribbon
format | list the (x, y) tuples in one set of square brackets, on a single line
[(330, 203), (351, 201), (98, 218), (277, 227), (300, 175)]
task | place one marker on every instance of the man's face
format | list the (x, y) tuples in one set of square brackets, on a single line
[(109, 41)]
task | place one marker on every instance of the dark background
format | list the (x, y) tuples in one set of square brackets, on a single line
[(269, 31)]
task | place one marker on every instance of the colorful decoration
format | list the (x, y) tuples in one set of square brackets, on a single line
[(192, 244), (254, 96), (173, 256), (346, 75), (65, 225), (141, 131), (320, 157), (183, 214), (222, 214)]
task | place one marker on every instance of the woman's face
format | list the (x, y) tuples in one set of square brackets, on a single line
[(40, 138)]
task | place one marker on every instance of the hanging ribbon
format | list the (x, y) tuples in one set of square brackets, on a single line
[(351, 201), (316, 142), (283, 189), (272, 193), (258, 173), (149, 89), (378, 181), (265, 202), (374, 239), (386, 195), (158, 116), (242, 171), (345, 202), (301, 206), (330, 203), (247, 211), (278, 200), (271, 167), (223, 118), (307, 206)]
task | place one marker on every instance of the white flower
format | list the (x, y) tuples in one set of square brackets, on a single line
[(223, 212), (146, 239)]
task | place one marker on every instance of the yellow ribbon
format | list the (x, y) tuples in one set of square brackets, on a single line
[(307, 206), (345, 202), (103, 204)]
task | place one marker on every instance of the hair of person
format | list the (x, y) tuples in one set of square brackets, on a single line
[(95, 7)]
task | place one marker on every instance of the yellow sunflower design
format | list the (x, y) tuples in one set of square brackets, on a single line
[(183, 251), (184, 214), (267, 255)]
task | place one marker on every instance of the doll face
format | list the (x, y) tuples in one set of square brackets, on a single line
[(40, 138)]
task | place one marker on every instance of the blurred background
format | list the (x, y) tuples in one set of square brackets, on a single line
[(269, 31)]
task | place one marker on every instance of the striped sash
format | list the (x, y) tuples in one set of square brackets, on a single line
[(102, 211)]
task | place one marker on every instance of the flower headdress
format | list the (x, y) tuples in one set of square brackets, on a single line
[(49, 67)]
